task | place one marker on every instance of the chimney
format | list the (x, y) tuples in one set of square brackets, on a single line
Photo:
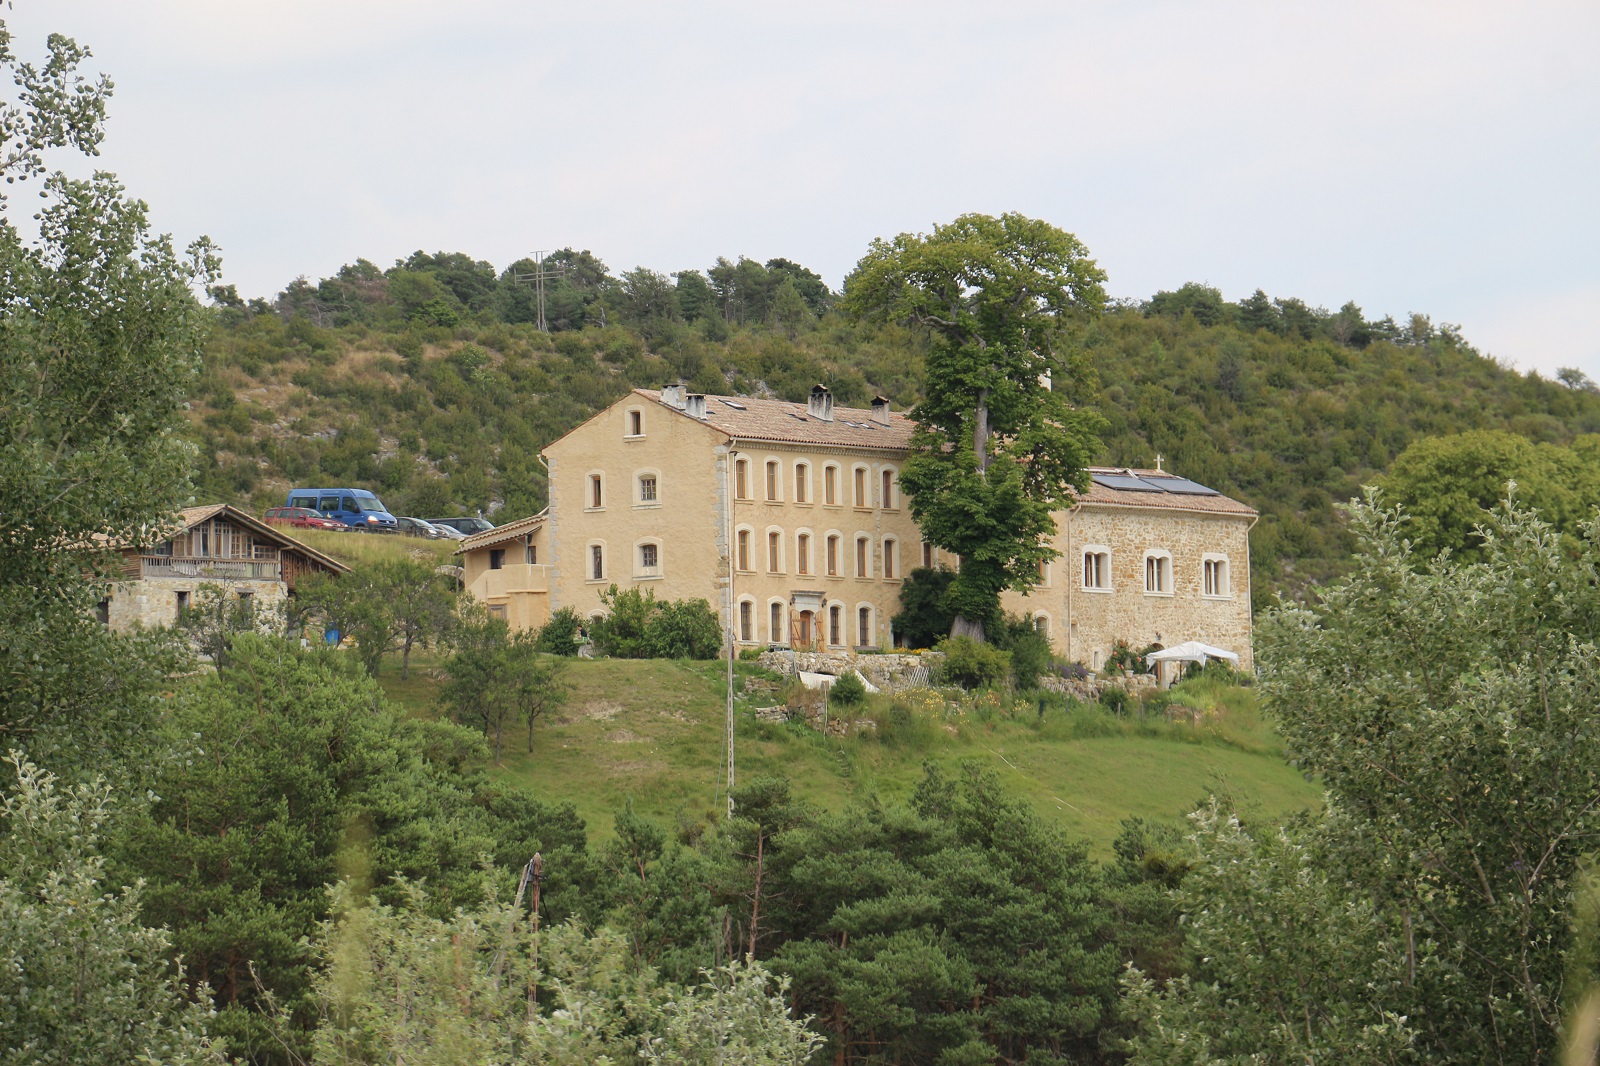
[(673, 396), (695, 405), (820, 405), (880, 410)]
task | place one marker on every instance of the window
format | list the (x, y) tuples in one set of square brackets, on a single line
[(1041, 625), (533, 554), (888, 557), (830, 485), (888, 488), (744, 549), (746, 625), (775, 623), (102, 612), (772, 479), (497, 558), (635, 423), (247, 602), (927, 555), (864, 627), (741, 480), (183, 603), (596, 491), (1214, 576), (863, 558), (597, 562), (835, 625), (1096, 567), (861, 486), (833, 555), (647, 488), (802, 490), (1044, 572), (1158, 573), (775, 552), (802, 554), (649, 556)]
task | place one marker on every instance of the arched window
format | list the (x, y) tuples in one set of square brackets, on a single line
[(742, 553), (890, 562), (861, 487), (802, 553), (802, 483), (830, 484), (1215, 581), (647, 558), (887, 478), (833, 555), (864, 627), (747, 626), (597, 491), (775, 628), (597, 561), (741, 479), (772, 480), (863, 556), (1097, 567), (1041, 625), (927, 555), (1158, 572), (635, 422), (774, 551), (647, 488)]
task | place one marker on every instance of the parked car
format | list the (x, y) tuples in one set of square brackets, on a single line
[(449, 532), (467, 526), (301, 518), (356, 508), (416, 527)]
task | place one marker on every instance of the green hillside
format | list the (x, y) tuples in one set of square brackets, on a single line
[(430, 384), (649, 733)]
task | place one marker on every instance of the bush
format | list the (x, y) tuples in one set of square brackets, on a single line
[(1114, 699), (923, 619), (972, 665), (641, 627), (1124, 657), (848, 690), (559, 636), (749, 655), (1030, 650)]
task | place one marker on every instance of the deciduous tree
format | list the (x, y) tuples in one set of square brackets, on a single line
[(999, 444)]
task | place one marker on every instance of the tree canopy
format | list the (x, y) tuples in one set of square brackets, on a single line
[(999, 443)]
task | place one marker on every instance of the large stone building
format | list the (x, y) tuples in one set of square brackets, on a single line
[(218, 546), (791, 515)]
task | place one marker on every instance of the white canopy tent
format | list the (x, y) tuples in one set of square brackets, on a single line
[(1191, 651)]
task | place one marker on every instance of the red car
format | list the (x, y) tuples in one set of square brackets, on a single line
[(301, 518)]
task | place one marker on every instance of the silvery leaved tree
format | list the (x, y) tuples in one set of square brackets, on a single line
[(99, 341), (999, 443), (1449, 708)]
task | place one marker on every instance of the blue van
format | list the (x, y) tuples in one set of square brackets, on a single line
[(357, 508)]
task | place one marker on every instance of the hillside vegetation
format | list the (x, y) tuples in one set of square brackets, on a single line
[(430, 384), (646, 735)]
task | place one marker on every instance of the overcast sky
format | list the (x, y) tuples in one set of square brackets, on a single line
[(1438, 157)]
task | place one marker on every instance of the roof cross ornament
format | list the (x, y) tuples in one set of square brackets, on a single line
[(1158, 464)]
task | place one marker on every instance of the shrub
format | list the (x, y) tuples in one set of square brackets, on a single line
[(641, 627), (559, 636), (1030, 650), (1124, 657), (848, 690), (923, 619), (749, 655), (1114, 699), (1073, 671), (972, 665)]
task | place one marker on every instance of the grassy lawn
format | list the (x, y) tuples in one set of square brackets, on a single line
[(363, 549), (650, 732)]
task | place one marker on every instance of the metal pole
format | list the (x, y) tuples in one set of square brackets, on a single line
[(733, 604)]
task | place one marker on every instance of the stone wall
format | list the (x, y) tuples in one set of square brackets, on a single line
[(153, 601), (886, 673)]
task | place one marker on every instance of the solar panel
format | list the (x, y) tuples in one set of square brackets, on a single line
[(1125, 482), (1182, 486), (733, 404)]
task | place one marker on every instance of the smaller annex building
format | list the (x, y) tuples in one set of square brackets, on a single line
[(217, 545), (788, 519)]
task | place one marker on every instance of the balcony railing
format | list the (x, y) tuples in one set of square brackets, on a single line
[(211, 569)]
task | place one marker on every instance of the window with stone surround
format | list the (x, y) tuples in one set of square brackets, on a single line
[(1215, 581), (1158, 572), (1096, 568)]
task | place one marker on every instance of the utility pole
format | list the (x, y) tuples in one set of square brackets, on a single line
[(733, 608), (538, 275)]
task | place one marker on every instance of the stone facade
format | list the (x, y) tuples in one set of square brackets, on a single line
[(215, 546), (788, 519)]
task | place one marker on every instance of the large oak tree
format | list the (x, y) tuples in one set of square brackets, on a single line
[(999, 443)]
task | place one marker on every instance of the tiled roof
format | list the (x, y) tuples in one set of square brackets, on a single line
[(189, 517), (1101, 494), (510, 531), (780, 421)]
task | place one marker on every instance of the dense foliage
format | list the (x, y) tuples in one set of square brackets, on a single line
[(1289, 408), (1448, 707)]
